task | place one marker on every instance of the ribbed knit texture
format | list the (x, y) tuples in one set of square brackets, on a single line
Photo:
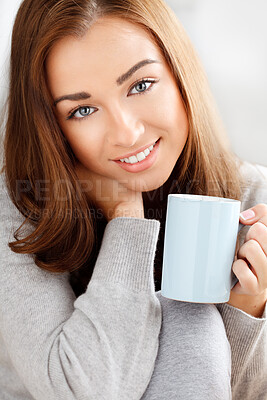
[(100, 346), (248, 335), (103, 345), (139, 254), (251, 336)]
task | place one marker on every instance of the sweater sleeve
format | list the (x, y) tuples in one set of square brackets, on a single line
[(101, 345), (248, 340), (248, 335)]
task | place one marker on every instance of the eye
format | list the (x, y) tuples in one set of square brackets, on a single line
[(142, 86), (82, 112)]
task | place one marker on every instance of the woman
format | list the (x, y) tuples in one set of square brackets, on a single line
[(109, 111)]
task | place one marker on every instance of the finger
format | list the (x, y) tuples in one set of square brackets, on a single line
[(255, 256), (254, 214), (248, 282), (237, 247), (258, 232)]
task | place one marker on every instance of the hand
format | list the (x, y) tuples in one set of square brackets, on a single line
[(250, 265), (112, 197)]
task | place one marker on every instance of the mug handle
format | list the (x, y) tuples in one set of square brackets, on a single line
[(234, 278)]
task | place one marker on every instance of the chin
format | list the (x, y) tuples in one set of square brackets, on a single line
[(147, 185)]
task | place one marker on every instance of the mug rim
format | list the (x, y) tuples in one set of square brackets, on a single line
[(198, 197)]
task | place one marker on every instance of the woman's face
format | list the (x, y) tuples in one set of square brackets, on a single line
[(115, 96)]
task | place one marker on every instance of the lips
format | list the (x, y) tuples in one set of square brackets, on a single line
[(134, 153), (143, 165)]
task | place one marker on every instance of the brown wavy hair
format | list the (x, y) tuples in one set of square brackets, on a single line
[(65, 232)]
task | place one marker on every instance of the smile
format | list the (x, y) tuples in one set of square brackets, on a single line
[(142, 160), (139, 156)]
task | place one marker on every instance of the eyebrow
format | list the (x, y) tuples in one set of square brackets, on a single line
[(132, 70), (119, 81)]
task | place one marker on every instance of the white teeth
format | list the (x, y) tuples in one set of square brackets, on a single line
[(146, 151), (139, 157), (133, 159)]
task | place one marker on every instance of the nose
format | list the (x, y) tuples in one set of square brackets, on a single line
[(124, 128)]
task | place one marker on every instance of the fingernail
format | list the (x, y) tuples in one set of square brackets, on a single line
[(248, 214)]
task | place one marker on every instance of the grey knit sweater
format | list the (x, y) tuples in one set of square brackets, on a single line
[(103, 345)]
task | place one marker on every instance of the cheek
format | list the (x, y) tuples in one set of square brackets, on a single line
[(87, 148), (166, 109), (176, 111)]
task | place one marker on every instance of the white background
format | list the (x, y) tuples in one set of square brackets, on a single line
[(230, 37)]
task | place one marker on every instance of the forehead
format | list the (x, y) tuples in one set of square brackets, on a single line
[(111, 45)]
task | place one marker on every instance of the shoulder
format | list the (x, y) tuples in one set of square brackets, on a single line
[(5, 200), (254, 185), (10, 216), (253, 172)]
